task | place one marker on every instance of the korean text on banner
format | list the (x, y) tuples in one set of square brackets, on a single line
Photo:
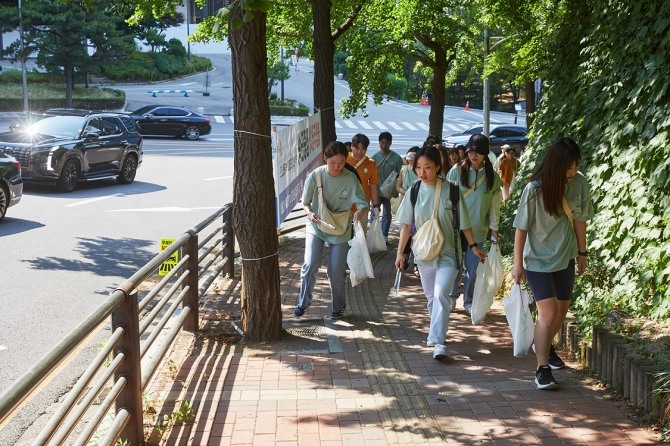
[(297, 151)]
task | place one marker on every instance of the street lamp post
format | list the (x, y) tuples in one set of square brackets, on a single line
[(24, 77), (487, 87)]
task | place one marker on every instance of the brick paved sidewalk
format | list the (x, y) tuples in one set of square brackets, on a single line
[(370, 380)]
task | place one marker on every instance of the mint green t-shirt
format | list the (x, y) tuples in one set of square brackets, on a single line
[(339, 193), (423, 210), (483, 205), (408, 177), (551, 242), (387, 164)]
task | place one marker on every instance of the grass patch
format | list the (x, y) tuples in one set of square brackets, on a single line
[(41, 95)]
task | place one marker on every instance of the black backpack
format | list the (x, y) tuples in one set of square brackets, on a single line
[(454, 196)]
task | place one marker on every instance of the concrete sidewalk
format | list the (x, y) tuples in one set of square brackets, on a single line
[(369, 379)]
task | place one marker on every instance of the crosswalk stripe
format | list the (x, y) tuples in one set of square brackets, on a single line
[(394, 125), (232, 120), (350, 124), (338, 125), (365, 125), (453, 127), (380, 125), (408, 125), (219, 119), (423, 126)]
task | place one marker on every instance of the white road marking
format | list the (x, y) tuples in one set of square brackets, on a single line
[(92, 200), (423, 126), (394, 125), (453, 127), (218, 178), (166, 209), (350, 124), (219, 119), (187, 83), (365, 125), (380, 125), (408, 125), (338, 125)]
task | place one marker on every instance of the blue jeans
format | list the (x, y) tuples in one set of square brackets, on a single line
[(385, 204), (337, 274), (469, 273), (436, 282)]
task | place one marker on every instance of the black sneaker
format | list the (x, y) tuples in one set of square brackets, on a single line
[(337, 314), (544, 380), (297, 312), (555, 362)]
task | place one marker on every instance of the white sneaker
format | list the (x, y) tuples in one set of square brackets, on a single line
[(440, 352), (430, 344)]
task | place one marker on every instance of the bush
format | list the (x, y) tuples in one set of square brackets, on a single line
[(287, 108), (147, 67), (396, 87), (47, 96)]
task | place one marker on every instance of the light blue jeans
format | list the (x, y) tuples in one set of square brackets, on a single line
[(337, 274), (469, 273), (436, 283)]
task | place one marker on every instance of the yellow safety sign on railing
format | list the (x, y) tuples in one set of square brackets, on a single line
[(170, 263)]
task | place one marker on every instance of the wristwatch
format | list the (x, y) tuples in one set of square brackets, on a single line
[(472, 245), (582, 253)]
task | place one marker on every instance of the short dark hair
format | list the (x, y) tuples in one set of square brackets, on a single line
[(360, 138), (386, 135)]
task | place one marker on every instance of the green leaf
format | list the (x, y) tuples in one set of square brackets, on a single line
[(248, 16)]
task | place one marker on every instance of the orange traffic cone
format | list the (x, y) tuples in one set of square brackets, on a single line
[(467, 105)]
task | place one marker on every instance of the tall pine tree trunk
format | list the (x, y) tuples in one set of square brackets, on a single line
[(253, 185), (436, 117), (324, 85)]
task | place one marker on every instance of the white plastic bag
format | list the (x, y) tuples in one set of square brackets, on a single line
[(388, 186), (487, 284), (375, 239), (519, 319), (358, 258)]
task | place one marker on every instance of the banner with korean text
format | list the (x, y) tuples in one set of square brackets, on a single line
[(297, 151)]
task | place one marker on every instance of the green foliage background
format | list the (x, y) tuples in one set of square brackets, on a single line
[(607, 88)]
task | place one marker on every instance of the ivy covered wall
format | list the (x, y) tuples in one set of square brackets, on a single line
[(608, 89)]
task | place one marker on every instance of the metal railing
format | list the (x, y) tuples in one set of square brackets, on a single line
[(143, 326)]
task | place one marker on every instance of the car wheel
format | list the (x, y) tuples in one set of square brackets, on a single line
[(4, 201), (128, 171), (69, 176), (192, 132)]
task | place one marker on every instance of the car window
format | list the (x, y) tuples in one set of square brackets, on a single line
[(177, 112), (110, 126), (129, 123), (94, 125), (506, 132)]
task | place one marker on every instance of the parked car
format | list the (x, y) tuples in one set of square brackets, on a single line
[(499, 135), (11, 184), (64, 147), (168, 120)]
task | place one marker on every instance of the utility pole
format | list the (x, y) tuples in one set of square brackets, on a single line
[(487, 87), (188, 31), (24, 76)]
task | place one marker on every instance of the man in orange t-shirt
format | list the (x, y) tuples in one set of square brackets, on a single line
[(367, 172)]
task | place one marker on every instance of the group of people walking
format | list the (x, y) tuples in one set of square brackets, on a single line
[(458, 197)]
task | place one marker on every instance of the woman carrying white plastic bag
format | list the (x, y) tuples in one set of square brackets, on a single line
[(550, 234)]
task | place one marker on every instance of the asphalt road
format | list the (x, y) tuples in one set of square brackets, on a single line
[(62, 254)]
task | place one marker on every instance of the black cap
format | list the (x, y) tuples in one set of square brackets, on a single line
[(479, 143)]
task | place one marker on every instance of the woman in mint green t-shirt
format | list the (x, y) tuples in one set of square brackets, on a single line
[(550, 233)]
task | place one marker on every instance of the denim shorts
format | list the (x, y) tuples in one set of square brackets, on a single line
[(557, 284)]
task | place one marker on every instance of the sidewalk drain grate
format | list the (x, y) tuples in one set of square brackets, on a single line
[(314, 332)]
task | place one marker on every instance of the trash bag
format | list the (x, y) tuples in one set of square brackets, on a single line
[(487, 283), (358, 257), (375, 239), (519, 319)]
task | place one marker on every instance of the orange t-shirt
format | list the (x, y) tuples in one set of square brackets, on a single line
[(367, 171), (507, 168)]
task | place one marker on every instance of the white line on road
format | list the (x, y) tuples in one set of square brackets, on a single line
[(338, 125), (218, 178), (423, 126), (166, 209), (365, 125), (350, 124), (408, 125), (219, 119), (394, 125), (380, 125), (92, 200), (187, 83)]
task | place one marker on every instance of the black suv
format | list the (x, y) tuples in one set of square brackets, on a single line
[(11, 185), (499, 135), (63, 146)]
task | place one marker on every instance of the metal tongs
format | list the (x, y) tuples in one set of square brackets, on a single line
[(327, 225), (397, 281)]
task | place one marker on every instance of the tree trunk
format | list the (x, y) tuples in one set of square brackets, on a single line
[(69, 83), (324, 83), (530, 103), (436, 117), (253, 185)]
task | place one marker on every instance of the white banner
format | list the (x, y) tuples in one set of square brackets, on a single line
[(297, 151)]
